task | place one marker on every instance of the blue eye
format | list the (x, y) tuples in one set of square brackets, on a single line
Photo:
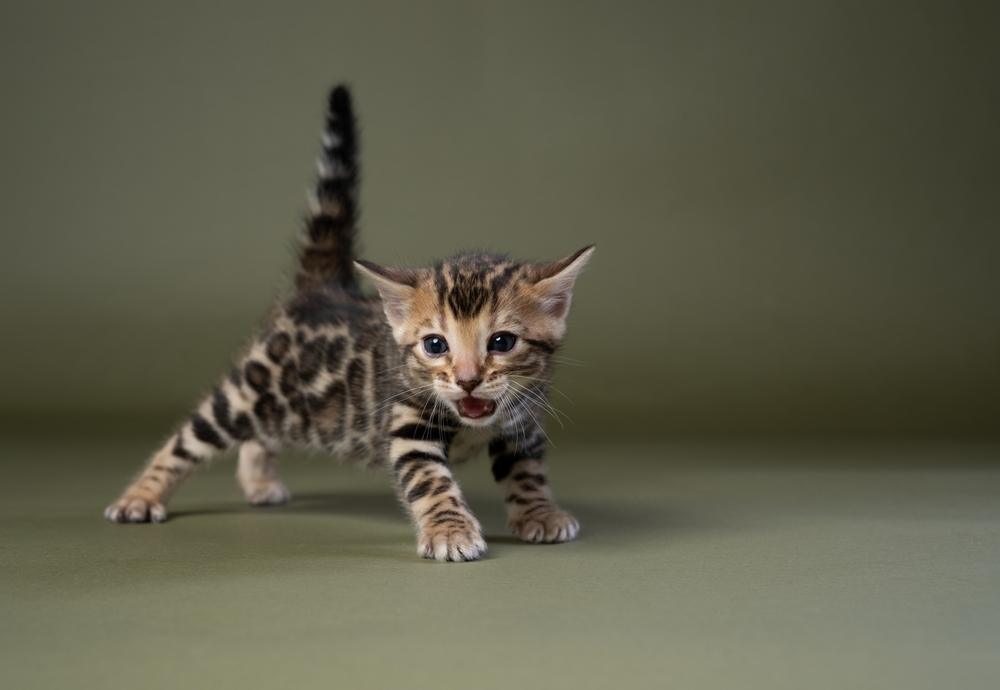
[(501, 342), (435, 345)]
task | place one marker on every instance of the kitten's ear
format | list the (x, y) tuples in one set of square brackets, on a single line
[(395, 285), (555, 281)]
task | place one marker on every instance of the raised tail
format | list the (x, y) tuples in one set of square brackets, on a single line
[(327, 252)]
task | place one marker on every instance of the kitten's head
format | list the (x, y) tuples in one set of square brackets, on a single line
[(478, 329)]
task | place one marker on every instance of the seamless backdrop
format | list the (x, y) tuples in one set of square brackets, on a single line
[(795, 205)]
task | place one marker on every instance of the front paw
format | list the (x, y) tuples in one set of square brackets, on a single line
[(451, 542), (135, 509), (546, 525)]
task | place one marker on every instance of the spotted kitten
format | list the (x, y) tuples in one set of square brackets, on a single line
[(451, 359)]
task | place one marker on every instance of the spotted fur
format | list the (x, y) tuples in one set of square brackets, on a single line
[(341, 371)]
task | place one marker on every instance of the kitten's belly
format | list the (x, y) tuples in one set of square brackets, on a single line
[(468, 443)]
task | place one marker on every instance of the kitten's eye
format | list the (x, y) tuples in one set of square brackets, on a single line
[(501, 342), (435, 345)]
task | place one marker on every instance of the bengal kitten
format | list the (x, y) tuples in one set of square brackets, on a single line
[(451, 359)]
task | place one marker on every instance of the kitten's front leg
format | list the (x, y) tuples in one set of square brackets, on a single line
[(446, 528), (532, 513)]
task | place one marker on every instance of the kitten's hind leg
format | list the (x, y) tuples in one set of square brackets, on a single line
[(257, 474), (219, 422)]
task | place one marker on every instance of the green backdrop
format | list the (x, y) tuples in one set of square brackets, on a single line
[(795, 206)]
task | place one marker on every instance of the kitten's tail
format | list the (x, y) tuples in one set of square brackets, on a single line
[(327, 251)]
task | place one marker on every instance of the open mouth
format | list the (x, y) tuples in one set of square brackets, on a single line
[(476, 408)]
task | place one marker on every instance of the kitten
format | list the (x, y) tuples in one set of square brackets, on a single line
[(451, 359)]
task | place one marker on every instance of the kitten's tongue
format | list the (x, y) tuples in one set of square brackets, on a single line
[(475, 408)]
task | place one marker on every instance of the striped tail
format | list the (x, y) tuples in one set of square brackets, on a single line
[(327, 253)]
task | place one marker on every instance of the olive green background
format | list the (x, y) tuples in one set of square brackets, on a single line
[(795, 204), (783, 453)]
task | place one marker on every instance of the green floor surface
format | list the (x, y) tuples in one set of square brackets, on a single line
[(699, 566)]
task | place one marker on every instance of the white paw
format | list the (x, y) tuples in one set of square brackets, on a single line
[(451, 543), (551, 525), (135, 509), (267, 494)]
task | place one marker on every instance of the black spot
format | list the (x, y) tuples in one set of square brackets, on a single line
[(416, 461), (336, 188), (499, 282), (420, 490), (311, 359), (454, 514), (220, 407), (181, 452), (268, 410), (543, 505), (422, 432), (297, 404), (240, 427), (258, 376), (415, 455), (328, 228), (327, 410), (440, 285), (277, 346), (442, 487), (289, 382), (467, 298), (445, 515), (521, 476), (414, 468), (356, 372), (502, 466), (205, 432), (335, 350)]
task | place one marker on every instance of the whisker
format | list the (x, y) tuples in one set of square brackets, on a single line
[(408, 394), (546, 382), (544, 403), (427, 427), (568, 362), (408, 390), (532, 417), (513, 420)]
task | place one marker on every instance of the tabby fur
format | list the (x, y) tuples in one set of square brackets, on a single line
[(345, 372)]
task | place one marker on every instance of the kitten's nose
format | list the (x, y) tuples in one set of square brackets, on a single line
[(468, 385)]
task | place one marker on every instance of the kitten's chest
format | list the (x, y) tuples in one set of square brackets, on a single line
[(468, 443)]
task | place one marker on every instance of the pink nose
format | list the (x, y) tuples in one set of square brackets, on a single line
[(468, 385)]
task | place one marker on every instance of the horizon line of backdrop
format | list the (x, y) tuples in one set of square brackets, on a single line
[(795, 204)]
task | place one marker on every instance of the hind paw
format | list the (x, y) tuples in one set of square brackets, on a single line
[(135, 509), (267, 494)]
